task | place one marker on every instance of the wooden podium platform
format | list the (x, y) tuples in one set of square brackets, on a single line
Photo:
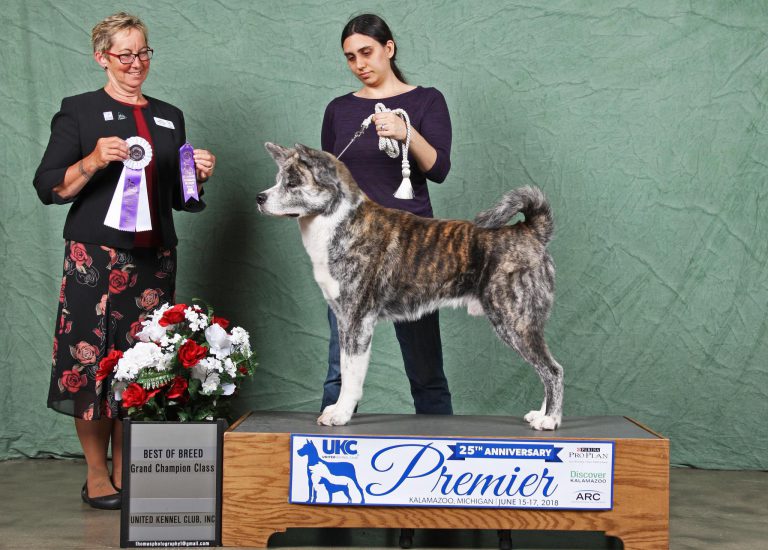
[(257, 463)]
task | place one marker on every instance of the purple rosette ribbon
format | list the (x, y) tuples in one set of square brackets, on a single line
[(188, 177), (129, 209)]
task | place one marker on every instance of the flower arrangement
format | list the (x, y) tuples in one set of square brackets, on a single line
[(184, 367)]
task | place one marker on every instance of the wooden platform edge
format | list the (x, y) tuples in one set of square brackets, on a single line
[(255, 502)]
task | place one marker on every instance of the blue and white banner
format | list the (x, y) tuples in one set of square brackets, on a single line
[(465, 473)]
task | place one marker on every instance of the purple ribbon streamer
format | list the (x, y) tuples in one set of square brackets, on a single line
[(187, 167), (130, 204)]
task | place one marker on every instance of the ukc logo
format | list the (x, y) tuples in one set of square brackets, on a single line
[(340, 447), (325, 478)]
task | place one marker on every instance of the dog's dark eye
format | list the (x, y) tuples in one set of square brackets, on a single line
[(291, 184)]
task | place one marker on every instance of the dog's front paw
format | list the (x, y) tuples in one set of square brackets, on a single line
[(334, 416), (544, 422)]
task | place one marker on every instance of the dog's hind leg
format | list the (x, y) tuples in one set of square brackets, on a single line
[(517, 314), (355, 341), (532, 347)]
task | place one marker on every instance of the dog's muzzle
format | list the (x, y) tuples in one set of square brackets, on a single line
[(261, 198)]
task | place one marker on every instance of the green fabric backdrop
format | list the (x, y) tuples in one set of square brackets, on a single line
[(644, 122)]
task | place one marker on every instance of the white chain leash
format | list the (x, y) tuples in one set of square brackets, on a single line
[(391, 147)]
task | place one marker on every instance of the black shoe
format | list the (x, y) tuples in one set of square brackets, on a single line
[(107, 502)]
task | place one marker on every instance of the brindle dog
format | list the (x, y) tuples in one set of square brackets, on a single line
[(376, 263)]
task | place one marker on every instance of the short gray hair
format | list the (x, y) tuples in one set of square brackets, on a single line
[(102, 33)]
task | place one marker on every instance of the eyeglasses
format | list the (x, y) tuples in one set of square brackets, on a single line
[(128, 58)]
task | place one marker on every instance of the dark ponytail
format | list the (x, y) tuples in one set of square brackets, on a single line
[(375, 27)]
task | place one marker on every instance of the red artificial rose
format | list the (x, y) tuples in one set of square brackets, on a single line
[(136, 396), (118, 281), (85, 353), (178, 388), (221, 321), (72, 380), (173, 315), (80, 255), (108, 364), (191, 352)]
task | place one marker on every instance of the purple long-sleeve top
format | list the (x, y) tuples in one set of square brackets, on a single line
[(375, 172)]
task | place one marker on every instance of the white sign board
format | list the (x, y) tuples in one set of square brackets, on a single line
[(467, 473), (172, 484)]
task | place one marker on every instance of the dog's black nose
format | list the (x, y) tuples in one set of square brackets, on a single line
[(261, 198)]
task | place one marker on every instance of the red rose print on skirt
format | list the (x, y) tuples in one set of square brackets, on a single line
[(72, 380), (79, 254), (84, 352), (149, 299), (118, 281), (63, 287)]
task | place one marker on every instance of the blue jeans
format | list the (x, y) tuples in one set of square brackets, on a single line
[(422, 353)]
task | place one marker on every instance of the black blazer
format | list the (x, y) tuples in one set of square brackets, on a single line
[(75, 129)]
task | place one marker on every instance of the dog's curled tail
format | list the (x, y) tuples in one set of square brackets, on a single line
[(528, 200)]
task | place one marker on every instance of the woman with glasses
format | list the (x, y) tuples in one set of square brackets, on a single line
[(370, 51), (114, 157)]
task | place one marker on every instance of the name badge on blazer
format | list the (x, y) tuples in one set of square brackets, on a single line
[(164, 123)]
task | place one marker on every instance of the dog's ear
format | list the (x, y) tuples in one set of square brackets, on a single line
[(278, 153), (320, 163), (306, 154)]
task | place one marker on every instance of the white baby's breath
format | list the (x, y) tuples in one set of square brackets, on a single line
[(211, 383), (197, 320)]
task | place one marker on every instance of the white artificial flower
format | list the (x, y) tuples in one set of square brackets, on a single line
[(240, 339), (140, 356), (197, 320), (229, 389), (211, 364), (158, 313), (239, 335), (230, 368), (199, 372), (170, 341), (211, 384), (165, 360), (219, 341), (152, 332)]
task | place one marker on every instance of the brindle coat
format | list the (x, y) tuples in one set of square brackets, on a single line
[(377, 263)]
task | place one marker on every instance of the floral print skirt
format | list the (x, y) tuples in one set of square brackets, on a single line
[(105, 295)]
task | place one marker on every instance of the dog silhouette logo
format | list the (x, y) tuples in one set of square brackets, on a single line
[(333, 477)]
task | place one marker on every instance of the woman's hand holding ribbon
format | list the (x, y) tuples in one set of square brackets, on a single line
[(205, 163), (107, 150)]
